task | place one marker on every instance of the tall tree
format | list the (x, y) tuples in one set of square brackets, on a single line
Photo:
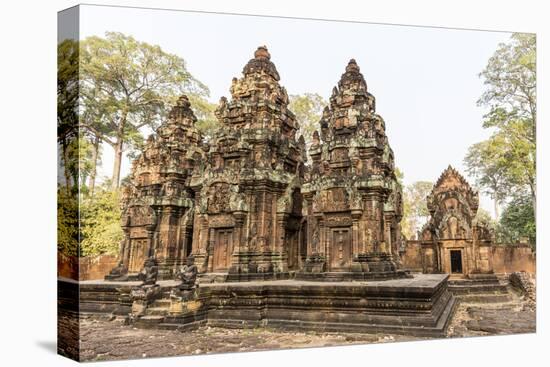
[(126, 85), (308, 108), (484, 163), (207, 123), (100, 223), (510, 78), (518, 220), (415, 211), (67, 103)]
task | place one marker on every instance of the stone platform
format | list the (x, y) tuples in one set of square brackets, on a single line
[(417, 306)]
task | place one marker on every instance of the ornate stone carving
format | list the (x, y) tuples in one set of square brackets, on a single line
[(158, 193), (452, 228), (149, 273), (253, 165), (187, 274), (352, 184)]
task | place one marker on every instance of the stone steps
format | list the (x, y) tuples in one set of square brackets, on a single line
[(485, 298), (478, 288), (157, 311), (161, 303), (149, 321), (486, 288), (491, 281)]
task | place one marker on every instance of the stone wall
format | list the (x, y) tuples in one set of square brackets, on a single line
[(67, 266), (96, 267), (512, 258), (85, 268), (411, 258), (525, 283), (506, 259)]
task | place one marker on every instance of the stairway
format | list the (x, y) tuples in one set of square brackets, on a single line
[(155, 314), (486, 288)]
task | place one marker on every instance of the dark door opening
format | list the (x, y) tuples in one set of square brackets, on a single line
[(456, 261)]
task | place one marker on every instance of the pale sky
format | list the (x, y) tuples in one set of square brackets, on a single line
[(425, 80)]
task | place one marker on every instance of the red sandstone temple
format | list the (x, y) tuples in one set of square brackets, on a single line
[(245, 206)]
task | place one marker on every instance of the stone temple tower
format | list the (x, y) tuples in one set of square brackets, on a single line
[(157, 204), (248, 203), (454, 241), (352, 197)]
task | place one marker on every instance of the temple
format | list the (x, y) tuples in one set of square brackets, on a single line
[(351, 198), (239, 231), (248, 201), (157, 202), (246, 206), (268, 239), (453, 241)]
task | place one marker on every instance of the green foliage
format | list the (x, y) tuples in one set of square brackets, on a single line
[(67, 88), (484, 218), (127, 85), (308, 108), (207, 123), (67, 104), (484, 162), (100, 221), (509, 156), (67, 222), (518, 221), (504, 166), (510, 77), (399, 176), (415, 211)]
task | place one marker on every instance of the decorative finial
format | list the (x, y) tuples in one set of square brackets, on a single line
[(352, 66), (262, 53), (183, 101)]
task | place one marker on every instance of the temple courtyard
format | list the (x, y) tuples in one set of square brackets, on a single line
[(107, 337)]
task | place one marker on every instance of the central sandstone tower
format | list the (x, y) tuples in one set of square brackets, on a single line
[(247, 199), (352, 197)]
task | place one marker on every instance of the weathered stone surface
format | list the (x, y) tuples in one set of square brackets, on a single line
[(103, 340), (453, 241), (413, 306), (352, 200), (158, 203), (247, 199), (479, 319), (525, 283), (107, 340)]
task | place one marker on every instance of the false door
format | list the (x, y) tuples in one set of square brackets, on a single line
[(222, 249)]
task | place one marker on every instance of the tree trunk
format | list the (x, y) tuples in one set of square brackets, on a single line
[(118, 149), (65, 165), (118, 160), (496, 208), (93, 174), (534, 199)]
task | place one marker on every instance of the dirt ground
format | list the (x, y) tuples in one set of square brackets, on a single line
[(111, 340)]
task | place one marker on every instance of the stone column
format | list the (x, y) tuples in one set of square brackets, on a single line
[(238, 244), (210, 248), (125, 250), (355, 216), (150, 243), (387, 234)]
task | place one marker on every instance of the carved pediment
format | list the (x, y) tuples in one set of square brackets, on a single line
[(218, 200)]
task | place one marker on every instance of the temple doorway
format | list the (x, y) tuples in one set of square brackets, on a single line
[(137, 256), (456, 261), (292, 248), (222, 249), (341, 248)]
